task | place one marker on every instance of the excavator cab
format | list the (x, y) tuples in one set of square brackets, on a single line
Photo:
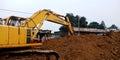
[(1, 21), (14, 21)]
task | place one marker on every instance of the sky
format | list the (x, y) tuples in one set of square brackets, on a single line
[(94, 10)]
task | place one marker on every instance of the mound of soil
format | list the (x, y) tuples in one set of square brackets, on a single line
[(86, 47)]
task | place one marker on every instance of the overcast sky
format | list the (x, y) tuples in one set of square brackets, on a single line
[(93, 10)]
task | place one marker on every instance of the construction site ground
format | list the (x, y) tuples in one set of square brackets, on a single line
[(87, 47), (82, 47)]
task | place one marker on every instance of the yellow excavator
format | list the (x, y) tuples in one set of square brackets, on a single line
[(16, 32)]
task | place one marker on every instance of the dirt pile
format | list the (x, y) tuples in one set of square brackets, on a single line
[(86, 47)]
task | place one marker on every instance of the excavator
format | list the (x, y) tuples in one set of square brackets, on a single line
[(19, 32)]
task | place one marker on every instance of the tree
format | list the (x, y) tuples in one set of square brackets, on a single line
[(74, 20), (93, 25), (113, 26), (63, 29), (83, 22), (102, 25)]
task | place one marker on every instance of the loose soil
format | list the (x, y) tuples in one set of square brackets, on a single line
[(86, 47), (83, 47)]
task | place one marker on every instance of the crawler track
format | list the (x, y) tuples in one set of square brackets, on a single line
[(29, 54)]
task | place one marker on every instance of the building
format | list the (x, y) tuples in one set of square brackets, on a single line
[(89, 30)]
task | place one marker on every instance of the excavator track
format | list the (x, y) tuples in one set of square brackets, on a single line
[(29, 54)]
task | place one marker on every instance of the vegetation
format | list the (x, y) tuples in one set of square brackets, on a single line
[(93, 25), (63, 29), (77, 21), (113, 26), (102, 25)]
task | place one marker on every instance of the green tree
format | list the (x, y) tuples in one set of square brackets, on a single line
[(72, 19), (63, 29), (113, 26), (83, 22), (93, 25), (75, 20), (102, 25)]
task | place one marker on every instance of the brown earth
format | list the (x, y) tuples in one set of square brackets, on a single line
[(86, 47), (83, 47)]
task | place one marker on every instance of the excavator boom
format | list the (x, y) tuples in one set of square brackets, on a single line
[(36, 20)]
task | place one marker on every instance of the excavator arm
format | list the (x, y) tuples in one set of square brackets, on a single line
[(37, 19)]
